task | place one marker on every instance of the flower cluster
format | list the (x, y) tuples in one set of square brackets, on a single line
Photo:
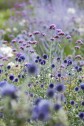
[(41, 74)]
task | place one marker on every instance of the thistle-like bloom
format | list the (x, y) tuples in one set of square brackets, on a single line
[(81, 115), (82, 86), (50, 93), (57, 107), (41, 110), (9, 90), (31, 68), (3, 83), (60, 87)]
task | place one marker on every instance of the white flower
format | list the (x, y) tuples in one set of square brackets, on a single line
[(22, 22), (71, 11), (15, 29), (5, 50)]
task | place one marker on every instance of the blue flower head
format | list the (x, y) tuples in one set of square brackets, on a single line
[(9, 90), (3, 83), (31, 68)]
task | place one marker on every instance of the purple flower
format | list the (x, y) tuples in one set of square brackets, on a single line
[(35, 112), (81, 115), (45, 56), (37, 101), (82, 86), (8, 67), (9, 90), (41, 110), (50, 93), (72, 102), (3, 83), (11, 77), (44, 109), (57, 107), (16, 80), (51, 85), (60, 87), (82, 103), (76, 88), (31, 68), (44, 105)]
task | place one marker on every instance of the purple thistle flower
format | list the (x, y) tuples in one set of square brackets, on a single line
[(50, 93), (72, 102), (9, 90), (82, 86), (3, 83), (57, 107), (82, 103), (51, 85), (31, 68), (11, 77), (81, 115), (60, 87), (41, 110)]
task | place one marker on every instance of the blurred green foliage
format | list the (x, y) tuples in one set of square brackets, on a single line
[(4, 15), (5, 4)]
